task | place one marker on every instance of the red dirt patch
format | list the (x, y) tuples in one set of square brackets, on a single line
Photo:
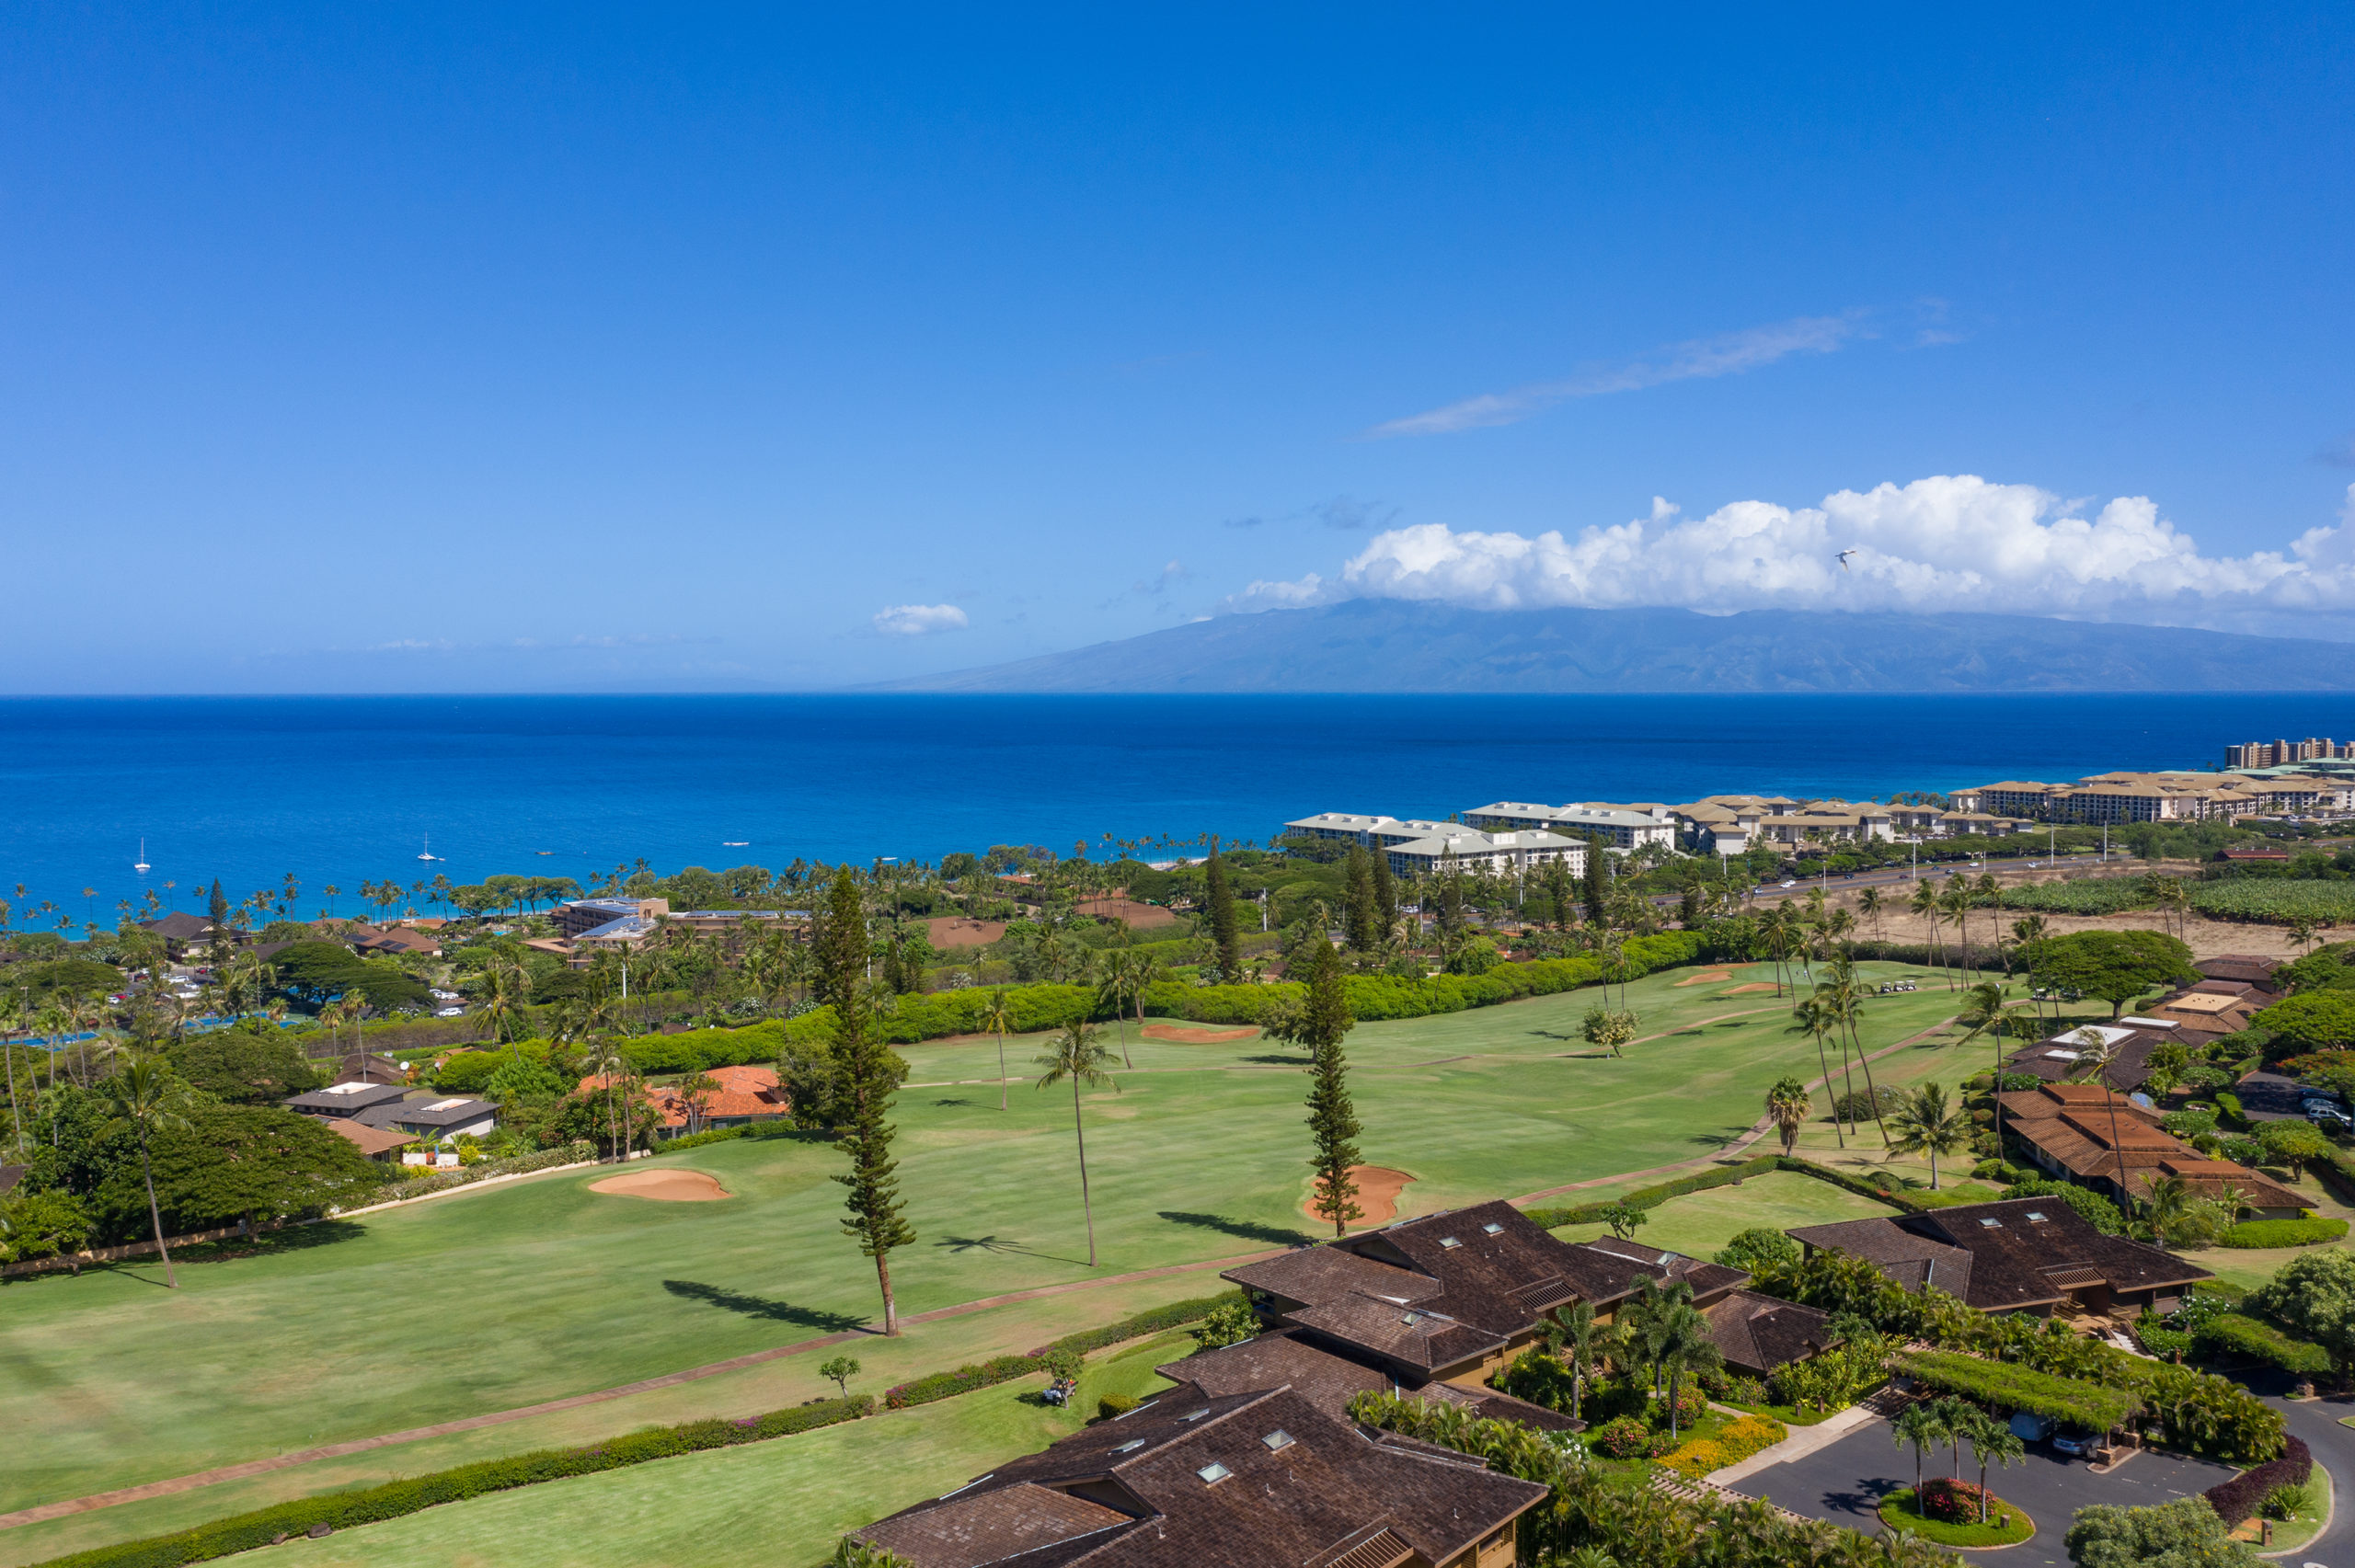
[(662, 1186), (1139, 916), (1710, 979), (1195, 1036), (1378, 1190), (946, 932), (1754, 985)]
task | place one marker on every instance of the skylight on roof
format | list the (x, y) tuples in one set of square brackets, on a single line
[(1195, 1415), (1279, 1438), (1991, 1223), (1132, 1446), (1213, 1472), (1449, 1241), (2036, 1217), (1410, 1319), (1493, 1229)]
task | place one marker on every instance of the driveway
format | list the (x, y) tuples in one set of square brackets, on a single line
[(2270, 1097), (1845, 1481), (2316, 1420)]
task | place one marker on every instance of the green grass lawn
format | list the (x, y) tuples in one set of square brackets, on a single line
[(542, 1288), (1697, 1224)]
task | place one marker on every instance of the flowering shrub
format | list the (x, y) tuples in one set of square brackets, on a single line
[(1956, 1502), (1624, 1439), (1697, 1460)]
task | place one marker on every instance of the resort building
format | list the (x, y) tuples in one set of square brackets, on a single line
[(1190, 1478), (1499, 855), (1615, 827), (2275, 754), (2026, 1255), (588, 926), (2085, 1134), (1372, 832)]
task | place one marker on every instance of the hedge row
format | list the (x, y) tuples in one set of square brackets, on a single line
[(1720, 1176), (1006, 1369), (2235, 1336), (2236, 1499), (2284, 1232), (266, 1527), (440, 1181), (2010, 1387)]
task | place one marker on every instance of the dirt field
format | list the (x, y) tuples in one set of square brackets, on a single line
[(950, 931), (662, 1186), (1141, 917), (1378, 1190), (1196, 1037)]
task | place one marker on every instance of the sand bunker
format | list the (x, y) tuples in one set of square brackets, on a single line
[(662, 1186), (1378, 1189), (1195, 1036), (1710, 979), (1754, 985)]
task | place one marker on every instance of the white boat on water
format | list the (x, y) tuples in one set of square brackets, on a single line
[(429, 854), (141, 866)]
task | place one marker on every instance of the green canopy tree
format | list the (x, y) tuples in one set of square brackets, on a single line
[(255, 1163), (2116, 965), (146, 1097), (245, 1066), (2310, 1020), (1359, 918)]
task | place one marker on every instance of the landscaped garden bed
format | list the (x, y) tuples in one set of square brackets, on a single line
[(2005, 1526)]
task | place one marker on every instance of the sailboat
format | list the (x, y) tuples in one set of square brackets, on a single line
[(429, 854), (141, 866)]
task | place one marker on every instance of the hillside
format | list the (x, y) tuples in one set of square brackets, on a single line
[(1390, 646)]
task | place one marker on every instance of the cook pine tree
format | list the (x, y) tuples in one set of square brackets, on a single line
[(1332, 1117), (869, 1074), (1219, 897)]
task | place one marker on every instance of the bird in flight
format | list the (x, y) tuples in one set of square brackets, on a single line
[(1843, 558)]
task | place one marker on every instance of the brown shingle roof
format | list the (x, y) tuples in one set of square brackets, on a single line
[(1757, 1333), (2016, 1245), (1261, 1478)]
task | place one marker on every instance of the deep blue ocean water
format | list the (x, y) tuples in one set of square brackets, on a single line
[(336, 790)]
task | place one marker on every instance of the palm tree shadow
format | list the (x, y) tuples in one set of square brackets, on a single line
[(1280, 1060), (1716, 1140), (766, 1307), (993, 1244), (1248, 1229)]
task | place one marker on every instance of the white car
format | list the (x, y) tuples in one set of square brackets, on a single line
[(1786, 882), (450, 1013), (444, 995)]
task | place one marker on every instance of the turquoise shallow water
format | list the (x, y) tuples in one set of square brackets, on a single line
[(334, 790)]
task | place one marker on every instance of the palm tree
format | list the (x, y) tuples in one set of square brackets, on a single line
[(1925, 903), (1921, 1425), (1844, 998), (2094, 1058), (1078, 1054), (1646, 1317), (1991, 1439), (2169, 1200), (1810, 1018), (1788, 1107), (605, 1060), (146, 1096), (997, 1018), (1928, 1124), (1685, 1346), (1870, 901), (1576, 1331), (1983, 1014)]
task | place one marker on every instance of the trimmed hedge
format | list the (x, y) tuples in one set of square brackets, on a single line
[(465, 1175), (264, 1527), (2237, 1336), (2236, 1499), (2284, 1232), (1006, 1369), (2009, 1386)]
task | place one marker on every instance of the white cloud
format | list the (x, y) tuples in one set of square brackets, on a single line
[(1948, 542), (1729, 353), (915, 620)]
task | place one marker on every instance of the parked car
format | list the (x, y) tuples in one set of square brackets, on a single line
[(2031, 1428), (449, 1013), (2075, 1440), (2328, 1116)]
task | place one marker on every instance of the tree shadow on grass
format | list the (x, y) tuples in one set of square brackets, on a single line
[(1248, 1229), (955, 1102), (1716, 1139), (765, 1307), (997, 1244), (1280, 1060)]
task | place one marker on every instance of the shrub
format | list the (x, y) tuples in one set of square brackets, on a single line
[(1857, 1106), (1739, 1441), (2190, 1123), (2240, 1497), (2284, 1232), (2228, 1111), (1697, 1459), (1624, 1438), (1112, 1405), (2231, 1336), (2091, 1207), (545, 1160), (2009, 1387), (1755, 1249), (1954, 1501), (2107, 1535), (2287, 1500), (1229, 1322)]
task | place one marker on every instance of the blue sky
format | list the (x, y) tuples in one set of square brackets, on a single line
[(403, 348)]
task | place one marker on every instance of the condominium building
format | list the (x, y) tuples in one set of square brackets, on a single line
[(1619, 827), (1374, 832), (2274, 753), (1500, 855)]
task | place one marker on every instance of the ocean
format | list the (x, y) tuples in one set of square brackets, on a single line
[(336, 790)]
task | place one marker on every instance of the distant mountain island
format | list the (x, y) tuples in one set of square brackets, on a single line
[(1392, 646)]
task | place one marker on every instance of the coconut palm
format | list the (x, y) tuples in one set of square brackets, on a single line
[(1991, 1439), (997, 1018), (605, 1059), (1922, 1424), (1871, 902), (1844, 995), (1810, 1017), (2169, 1201), (1078, 1054), (146, 1096), (1925, 903), (1578, 1337), (1927, 1124), (1788, 1107), (1685, 1346)]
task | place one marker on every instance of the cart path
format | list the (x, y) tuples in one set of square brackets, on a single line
[(66, 1508)]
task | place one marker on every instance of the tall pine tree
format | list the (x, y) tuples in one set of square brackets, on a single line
[(1559, 888), (1332, 1117), (1224, 936), (870, 1073), (1596, 894), (841, 940), (1358, 918), (1385, 897)]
